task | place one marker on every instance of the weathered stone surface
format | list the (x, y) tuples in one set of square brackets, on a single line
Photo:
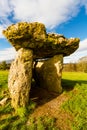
[(32, 42), (26, 35), (19, 81), (33, 36), (48, 73), (3, 101)]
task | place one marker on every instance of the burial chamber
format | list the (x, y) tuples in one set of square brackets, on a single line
[(32, 42)]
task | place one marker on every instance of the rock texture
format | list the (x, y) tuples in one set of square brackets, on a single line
[(49, 73), (19, 80), (32, 42), (3, 101), (33, 36)]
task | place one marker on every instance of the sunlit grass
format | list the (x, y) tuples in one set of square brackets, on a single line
[(74, 76), (11, 120), (74, 85), (77, 102), (3, 84)]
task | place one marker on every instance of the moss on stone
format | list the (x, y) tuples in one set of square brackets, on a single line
[(33, 36)]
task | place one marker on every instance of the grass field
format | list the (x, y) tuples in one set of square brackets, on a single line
[(74, 86)]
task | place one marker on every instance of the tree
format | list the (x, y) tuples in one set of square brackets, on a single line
[(3, 65)]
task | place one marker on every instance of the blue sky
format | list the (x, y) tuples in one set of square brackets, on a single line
[(64, 17), (76, 27)]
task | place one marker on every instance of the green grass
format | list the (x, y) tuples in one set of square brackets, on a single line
[(8, 119), (74, 76), (70, 79), (75, 84), (11, 120), (3, 84), (42, 123)]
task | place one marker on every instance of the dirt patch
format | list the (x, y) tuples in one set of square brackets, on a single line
[(49, 104)]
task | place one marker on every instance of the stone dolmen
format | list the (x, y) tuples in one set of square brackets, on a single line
[(31, 43)]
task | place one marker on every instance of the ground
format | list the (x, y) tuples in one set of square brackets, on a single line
[(49, 104), (69, 109)]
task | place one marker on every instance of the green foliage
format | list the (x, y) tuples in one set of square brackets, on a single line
[(82, 66), (22, 112), (3, 65), (79, 67), (4, 126), (6, 109)]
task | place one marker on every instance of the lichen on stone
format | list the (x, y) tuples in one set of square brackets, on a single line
[(34, 36), (32, 42)]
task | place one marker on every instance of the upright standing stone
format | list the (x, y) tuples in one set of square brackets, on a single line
[(19, 81), (49, 73)]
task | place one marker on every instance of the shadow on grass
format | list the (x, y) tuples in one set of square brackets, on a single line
[(68, 85), (42, 96)]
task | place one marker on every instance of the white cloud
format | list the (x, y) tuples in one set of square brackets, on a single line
[(82, 46), (1, 28), (81, 52), (4, 23), (49, 12), (7, 54), (4, 8)]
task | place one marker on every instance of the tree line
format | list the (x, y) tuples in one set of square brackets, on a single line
[(4, 65), (70, 67), (77, 67)]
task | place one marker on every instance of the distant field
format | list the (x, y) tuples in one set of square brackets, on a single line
[(74, 86), (75, 76), (70, 79)]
